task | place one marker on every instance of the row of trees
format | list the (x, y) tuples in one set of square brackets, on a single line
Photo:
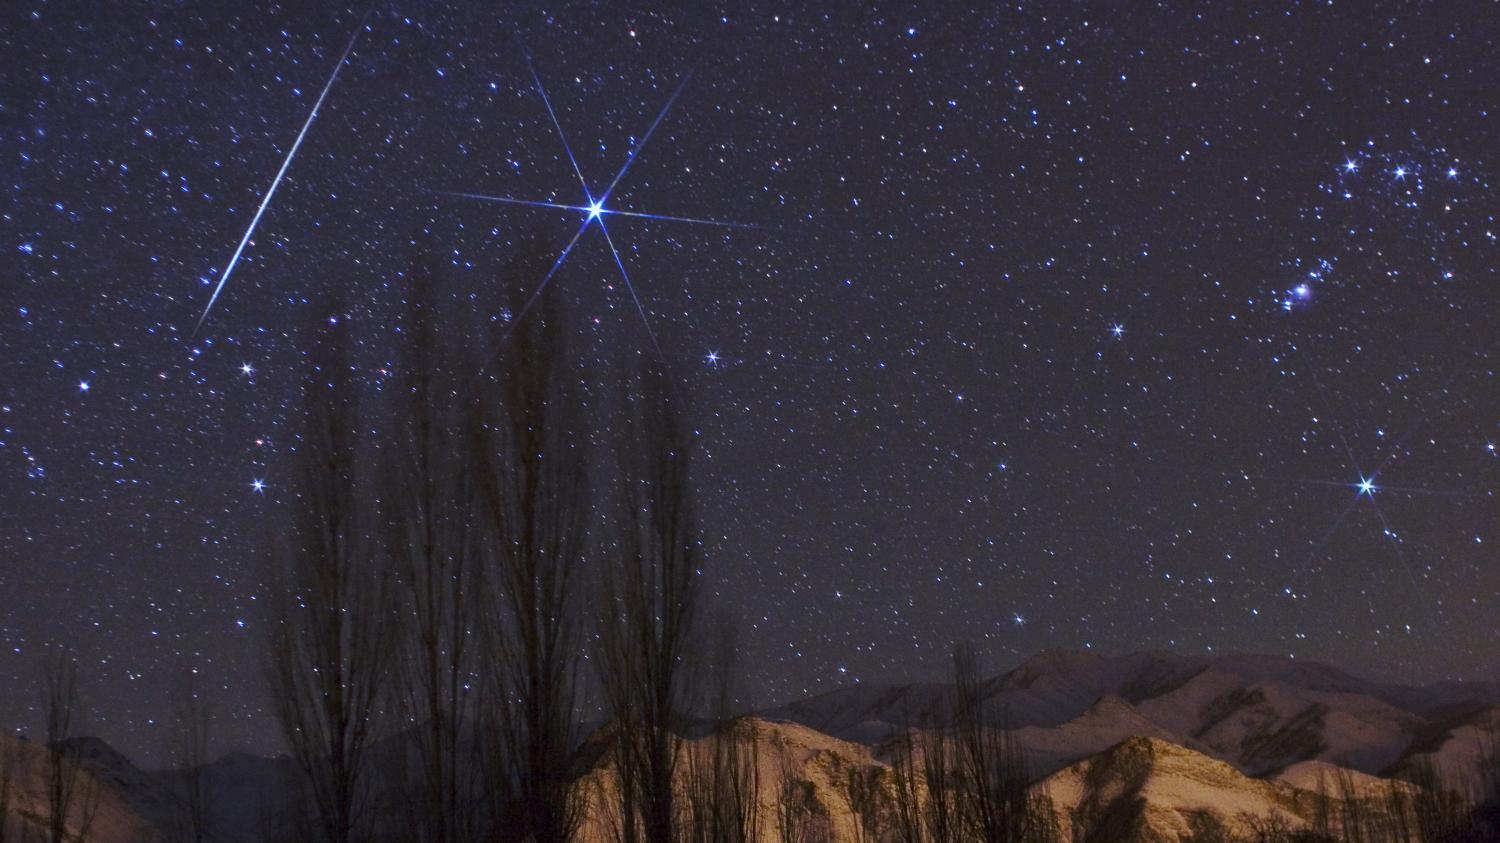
[(968, 781), (961, 778), (1421, 807), (1428, 811), (460, 552), (471, 554)]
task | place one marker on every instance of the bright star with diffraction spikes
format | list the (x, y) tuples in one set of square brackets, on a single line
[(594, 208)]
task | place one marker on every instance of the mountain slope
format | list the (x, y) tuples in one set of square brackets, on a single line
[(1260, 713), (791, 761), (102, 806), (1144, 790)]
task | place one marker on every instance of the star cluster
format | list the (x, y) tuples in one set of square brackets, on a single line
[(1039, 325)]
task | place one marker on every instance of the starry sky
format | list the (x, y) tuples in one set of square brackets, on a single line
[(1040, 325)]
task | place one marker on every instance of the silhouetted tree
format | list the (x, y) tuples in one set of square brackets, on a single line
[(427, 485), (1356, 825), (723, 779), (533, 508), (1486, 815), (993, 796), (942, 815), (1321, 823), (906, 779), (648, 608), (68, 791), (12, 773), (722, 786), (1437, 812), (190, 723), (328, 625), (799, 817), (864, 791)]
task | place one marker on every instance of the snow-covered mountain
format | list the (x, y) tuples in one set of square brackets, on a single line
[(1259, 713), (1145, 789), (1148, 746)]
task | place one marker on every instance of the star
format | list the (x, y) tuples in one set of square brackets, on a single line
[(1364, 488), (247, 369), (1018, 619), (1117, 330), (1350, 166), (83, 386), (1400, 172), (258, 486), (593, 208), (713, 358)]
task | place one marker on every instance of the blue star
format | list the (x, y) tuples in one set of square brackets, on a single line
[(712, 358), (1117, 330), (247, 369), (594, 209), (83, 386), (258, 486), (1366, 486), (1350, 166)]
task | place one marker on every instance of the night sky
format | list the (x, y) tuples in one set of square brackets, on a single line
[(1039, 325)]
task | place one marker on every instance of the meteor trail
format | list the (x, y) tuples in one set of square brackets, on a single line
[(266, 200)]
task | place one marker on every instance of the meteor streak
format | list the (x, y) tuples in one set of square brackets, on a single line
[(266, 200)]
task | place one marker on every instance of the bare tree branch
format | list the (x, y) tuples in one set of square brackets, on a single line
[(532, 511), (328, 634), (426, 499), (647, 616), (65, 787), (190, 757)]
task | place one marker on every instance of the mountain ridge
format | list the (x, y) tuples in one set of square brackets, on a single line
[(1149, 745)]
